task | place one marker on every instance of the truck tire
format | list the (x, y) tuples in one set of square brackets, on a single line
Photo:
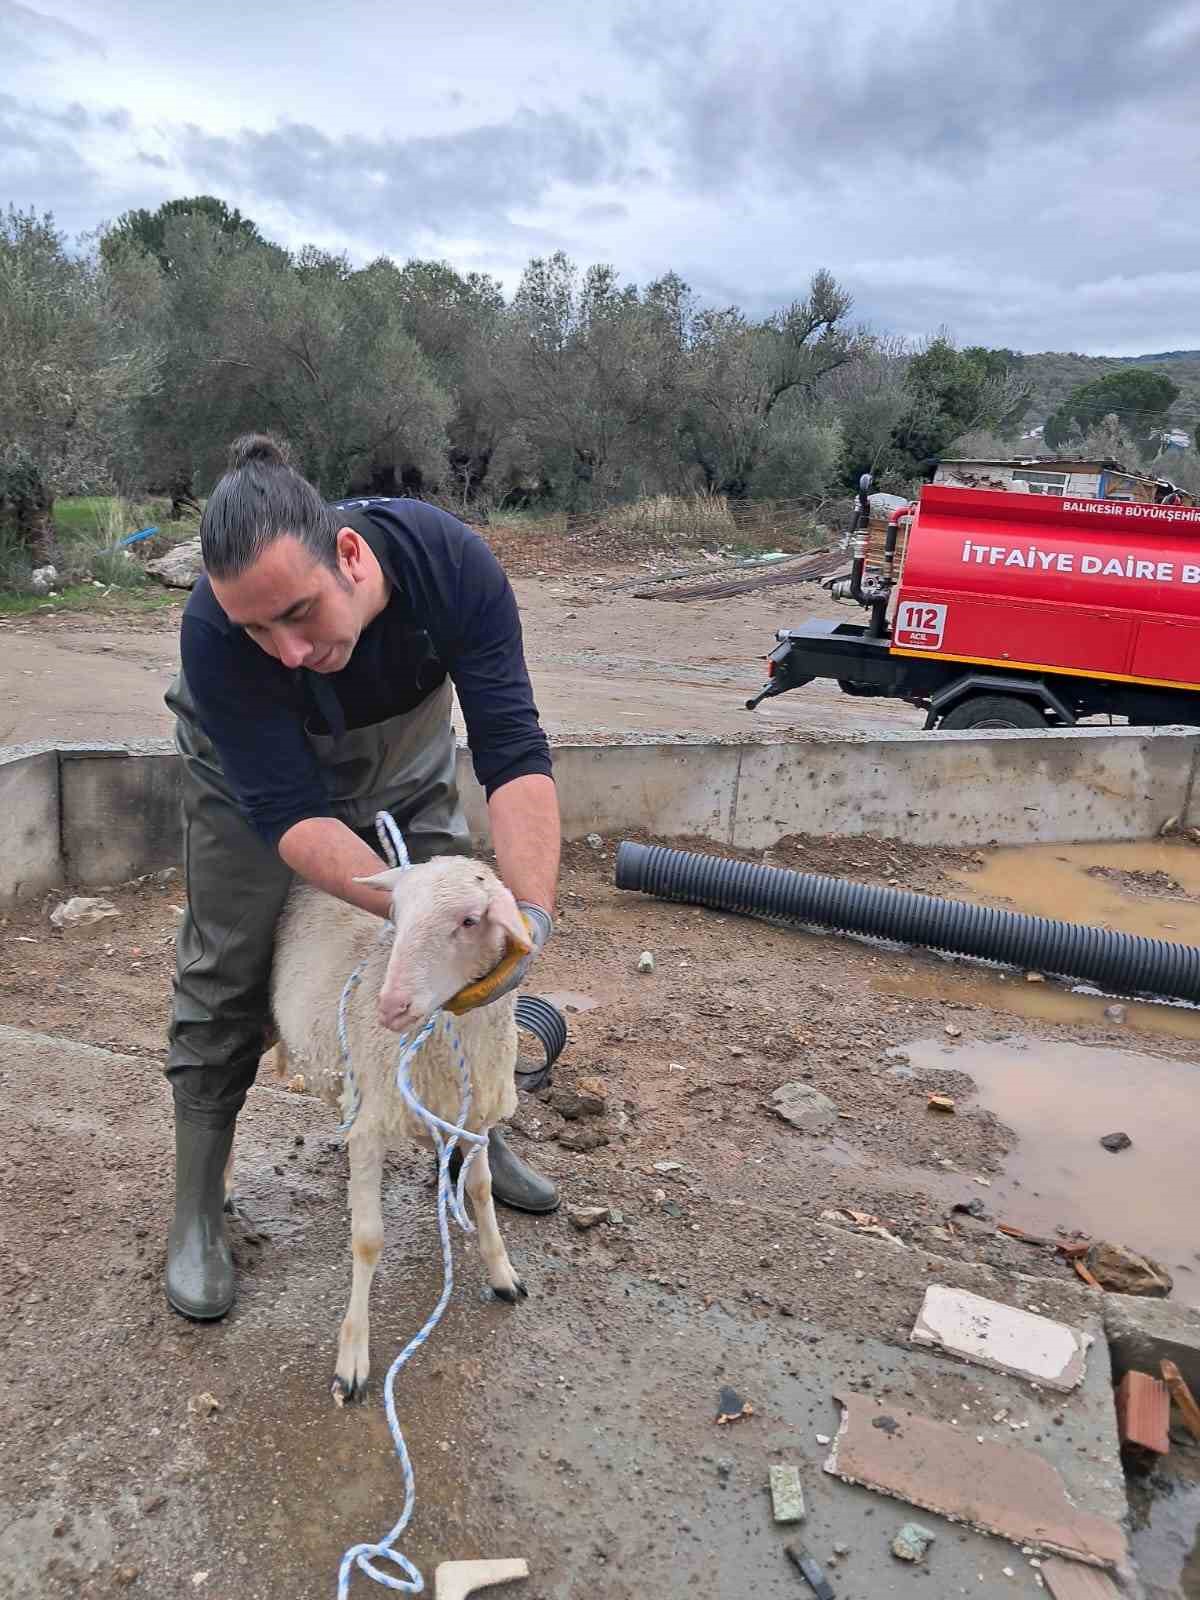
[(994, 711)]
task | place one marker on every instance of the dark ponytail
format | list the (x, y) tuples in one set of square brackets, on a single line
[(260, 498)]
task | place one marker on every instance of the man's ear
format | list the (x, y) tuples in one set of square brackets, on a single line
[(384, 880), (502, 909)]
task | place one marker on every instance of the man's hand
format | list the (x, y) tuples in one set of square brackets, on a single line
[(507, 976)]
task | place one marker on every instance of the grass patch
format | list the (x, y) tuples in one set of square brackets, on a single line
[(105, 601), (90, 528)]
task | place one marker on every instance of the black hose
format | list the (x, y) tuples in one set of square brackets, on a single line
[(1120, 963), (549, 1027)]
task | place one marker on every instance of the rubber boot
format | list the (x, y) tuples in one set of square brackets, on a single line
[(200, 1274), (514, 1184)]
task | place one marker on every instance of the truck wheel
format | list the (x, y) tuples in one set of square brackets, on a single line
[(994, 711)]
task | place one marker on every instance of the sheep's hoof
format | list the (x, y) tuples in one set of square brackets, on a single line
[(346, 1393), (511, 1296)]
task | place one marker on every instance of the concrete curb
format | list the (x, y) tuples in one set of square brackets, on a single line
[(99, 813)]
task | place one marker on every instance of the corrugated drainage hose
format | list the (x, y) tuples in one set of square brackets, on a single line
[(549, 1027), (1119, 963)]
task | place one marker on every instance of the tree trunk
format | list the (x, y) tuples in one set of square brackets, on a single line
[(44, 544)]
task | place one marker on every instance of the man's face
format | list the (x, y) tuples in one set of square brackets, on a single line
[(297, 609)]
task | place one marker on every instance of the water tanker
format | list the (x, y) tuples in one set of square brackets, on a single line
[(1010, 610)]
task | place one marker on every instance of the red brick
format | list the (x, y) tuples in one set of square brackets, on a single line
[(1144, 1412)]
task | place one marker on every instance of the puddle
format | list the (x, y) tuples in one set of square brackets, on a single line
[(1148, 887), (1038, 1002), (571, 1000), (1059, 1099), (1165, 1531)]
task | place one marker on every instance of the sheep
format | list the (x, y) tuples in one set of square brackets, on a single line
[(453, 921)]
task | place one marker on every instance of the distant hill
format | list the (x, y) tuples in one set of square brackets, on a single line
[(1055, 373)]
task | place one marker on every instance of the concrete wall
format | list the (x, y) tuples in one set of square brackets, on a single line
[(30, 849), (95, 814)]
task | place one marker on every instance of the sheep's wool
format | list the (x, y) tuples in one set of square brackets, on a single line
[(319, 941)]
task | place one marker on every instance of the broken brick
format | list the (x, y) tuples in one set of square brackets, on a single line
[(1144, 1412), (995, 1487), (1067, 1580)]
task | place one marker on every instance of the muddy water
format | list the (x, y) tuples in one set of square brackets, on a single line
[(1165, 1534), (1151, 888), (1038, 1002), (1060, 1099)]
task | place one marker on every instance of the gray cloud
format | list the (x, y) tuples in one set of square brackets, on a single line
[(26, 33), (1022, 178), (807, 89), (1022, 175), (389, 189)]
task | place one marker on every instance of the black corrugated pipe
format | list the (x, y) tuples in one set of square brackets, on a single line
[(549, 1027), (1120, 963)]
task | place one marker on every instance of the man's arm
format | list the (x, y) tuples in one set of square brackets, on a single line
[(526, 835), (328, 854)]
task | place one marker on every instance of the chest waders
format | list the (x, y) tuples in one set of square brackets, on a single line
[(236, 888)]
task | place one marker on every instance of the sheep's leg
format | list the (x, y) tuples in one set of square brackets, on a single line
[(504, 1281), (275, 1058), (366, 1231)]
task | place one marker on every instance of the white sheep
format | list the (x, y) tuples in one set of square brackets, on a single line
[(453, 921)]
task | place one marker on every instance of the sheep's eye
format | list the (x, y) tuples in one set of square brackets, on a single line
[(470, 922)]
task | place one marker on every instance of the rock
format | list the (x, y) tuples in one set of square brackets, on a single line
[(787, 1494), (80, 910), (1142, 1333), (127, 1575), (971, 1208), (594, 841), (616, 1218), (941, 1102), (1115, 1013), (203, 1405), (953, 1031), (567, 1103), (646, 961), (1124, 1271), (582, 1139), (592, 1095), (180, 568), (724, 1468), (1116, 1141), (152, 1503), (803, 1106), (43, 579), (731, 1407), (912, 1541), (585, 1217), (668, 1166)]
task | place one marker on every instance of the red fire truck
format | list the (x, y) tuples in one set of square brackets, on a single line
[(1012, 610)]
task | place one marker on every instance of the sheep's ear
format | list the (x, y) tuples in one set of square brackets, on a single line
[(503, 911), (384, 880)]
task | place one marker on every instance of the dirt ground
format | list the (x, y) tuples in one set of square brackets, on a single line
[(737, 1248), (711, 1193), (689, 1054), (602, 663)]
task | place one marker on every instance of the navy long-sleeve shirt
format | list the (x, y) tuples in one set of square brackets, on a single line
[(451, 612)]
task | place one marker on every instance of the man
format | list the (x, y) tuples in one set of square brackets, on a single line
[(317, 658)]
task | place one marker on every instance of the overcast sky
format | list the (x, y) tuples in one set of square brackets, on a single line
[(1025, 175)]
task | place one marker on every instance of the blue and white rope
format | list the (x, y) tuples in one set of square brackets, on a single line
[(446, 1136)]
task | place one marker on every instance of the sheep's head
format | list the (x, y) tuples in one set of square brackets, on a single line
[(455, 921)]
